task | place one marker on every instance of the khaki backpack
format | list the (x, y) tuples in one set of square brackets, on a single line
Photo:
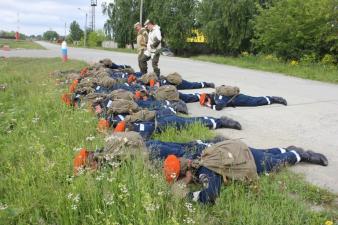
[(145, 78), (122, 106), (174, 78), (121, 94), (140, 116), (230, 158), (106, 82), (227, 90), (120, 145), (167, 92), (106, 62)]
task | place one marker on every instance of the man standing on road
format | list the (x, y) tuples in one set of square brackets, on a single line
[(142, 39), (153, 45)]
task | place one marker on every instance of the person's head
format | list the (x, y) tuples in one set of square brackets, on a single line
[(149, 24), (176, 168), (205, 99), (137, 26), (84, 160)]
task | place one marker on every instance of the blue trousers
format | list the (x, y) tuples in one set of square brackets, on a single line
[(241, 100), (152, 104), (160, 149), (189, 98), (190, 85), (268, 160)]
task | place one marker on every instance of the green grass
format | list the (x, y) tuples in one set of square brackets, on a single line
[(38, 135), (124, 50), (26, 44), (269, 63)]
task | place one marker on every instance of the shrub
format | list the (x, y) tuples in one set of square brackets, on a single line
[(95, 39)]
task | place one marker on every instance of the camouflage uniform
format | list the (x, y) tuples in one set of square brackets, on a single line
[(142, 39)]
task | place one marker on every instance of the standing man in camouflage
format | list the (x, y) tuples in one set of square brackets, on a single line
[(154, 45), (142, 39)]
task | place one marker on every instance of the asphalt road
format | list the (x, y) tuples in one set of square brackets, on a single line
[(310, 120)]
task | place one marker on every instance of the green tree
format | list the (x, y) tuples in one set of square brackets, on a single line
[(95, 38), (176, 19), (293, 28), (227, 24), (122, 15), (50, 35), (75, 31)]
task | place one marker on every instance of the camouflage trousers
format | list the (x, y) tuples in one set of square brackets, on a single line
[(143, 59), (142, 62)]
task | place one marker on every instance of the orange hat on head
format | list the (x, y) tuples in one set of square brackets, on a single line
[(120, 127), (137, 94), (171, 168), (80, 160), (83, 71), (152, 83), (66, 99), (203, 97), (131, 78), (102, 125)]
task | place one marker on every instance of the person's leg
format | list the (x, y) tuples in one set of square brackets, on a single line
[(143, 63), (273, 151), (267, 162), (188, 98), (154, 62), (245, 100)]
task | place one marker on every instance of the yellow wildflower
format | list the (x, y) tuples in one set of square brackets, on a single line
[(294, 62)]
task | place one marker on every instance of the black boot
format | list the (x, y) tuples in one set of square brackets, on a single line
[(209, 85), (278, 100), (295, 148), (217, 139), (180, 106), (313, 157), (230, 123)]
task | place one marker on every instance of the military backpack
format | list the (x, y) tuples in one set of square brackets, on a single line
[(227, 90), (167, 92), (174, 78)]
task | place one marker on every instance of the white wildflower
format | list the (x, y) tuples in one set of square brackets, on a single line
[(100, 177), (123, 188), (111, 179), (3, 206), (70, 178), (70, 195), (151, 207), (76, 149), (189, 207), (74, 207), (160, 193), (90, 138), (76, 199), (189, 220), (35, 119)]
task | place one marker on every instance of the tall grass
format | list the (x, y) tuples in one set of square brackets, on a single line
[(314, 71), (26, 44), (39, 137)]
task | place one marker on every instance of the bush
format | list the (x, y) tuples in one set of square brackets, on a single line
[(95, 39), (328, 60), (292, 28)]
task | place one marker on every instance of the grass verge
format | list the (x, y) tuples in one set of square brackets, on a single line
[(26, 44), (271, 64), (124, 50), (38, 136)]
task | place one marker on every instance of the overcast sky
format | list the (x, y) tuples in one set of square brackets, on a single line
[(38, 16)]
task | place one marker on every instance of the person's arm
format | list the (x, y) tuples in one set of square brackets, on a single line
[(212, 186), (157, 38)]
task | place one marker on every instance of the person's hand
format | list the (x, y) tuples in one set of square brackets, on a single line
[(188, 177)]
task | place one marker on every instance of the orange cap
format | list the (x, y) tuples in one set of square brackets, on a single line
[(80, 160), (131, 78), (120, 127), (171, 168), (137, 94), (102, 125), (83, 71), (152, 83), (66, 99), (203, 98)]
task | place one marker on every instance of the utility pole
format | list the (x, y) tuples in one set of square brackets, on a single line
[(141, 11), (65, 30)]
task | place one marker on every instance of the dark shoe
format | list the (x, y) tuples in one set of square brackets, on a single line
[(180, 106), (230, 123), (295, 148), (314, 158), (217, 139), (278, 100), (209, 85)]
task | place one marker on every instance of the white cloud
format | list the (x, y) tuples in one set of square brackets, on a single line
[(37, 16)]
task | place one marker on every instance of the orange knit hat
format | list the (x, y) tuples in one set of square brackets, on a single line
[(73, 86), (66, 99), (131, 78), (102, 125), (152, 83), (120, 127), (137, 95), (171, 168), (83, 71), (80, 160), (203, 98)]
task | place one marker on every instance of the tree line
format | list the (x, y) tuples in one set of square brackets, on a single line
[(289, 29)]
